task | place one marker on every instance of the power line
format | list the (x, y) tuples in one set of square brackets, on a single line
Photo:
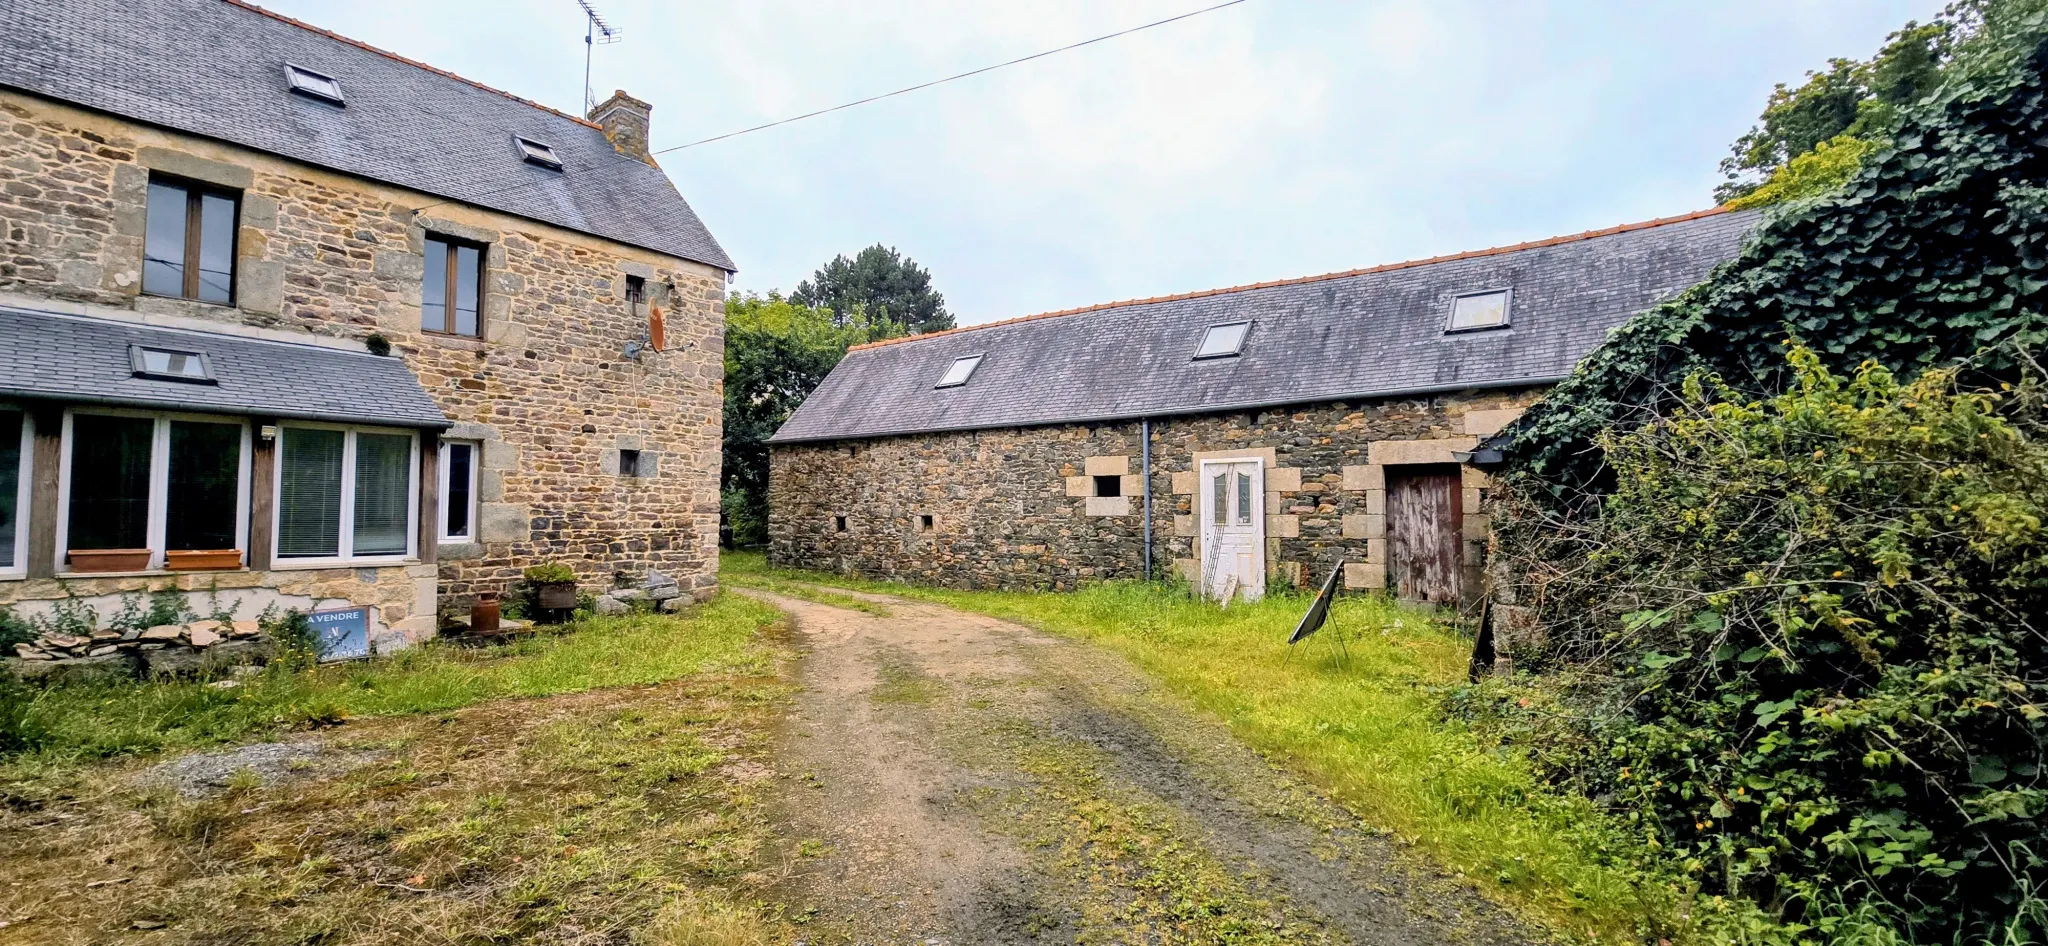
[(876, 98)]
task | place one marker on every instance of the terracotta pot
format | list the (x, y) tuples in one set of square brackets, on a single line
[(483, 615), (109, 560), (558, 595), (181, 560)]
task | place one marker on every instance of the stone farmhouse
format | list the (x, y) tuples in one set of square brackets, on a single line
[(1239, 437), (217, 221)]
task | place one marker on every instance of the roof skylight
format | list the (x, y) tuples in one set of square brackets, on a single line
[(962, 369), (1223, 341), (538, 152), (169, 365), (318, 85), (1478, 310)]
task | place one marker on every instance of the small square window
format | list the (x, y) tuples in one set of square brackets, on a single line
[(1223, 341), (538, 153), (1109, 486), (636, 290), (839, 523), (629, 463), (924, 523), (962, 369), (315, 84), (1479, 310), (170, 365)]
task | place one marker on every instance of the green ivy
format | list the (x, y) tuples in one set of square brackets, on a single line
[(1935, 249), (1807, 641)]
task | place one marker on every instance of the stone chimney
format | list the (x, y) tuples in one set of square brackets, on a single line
[(624, 119)]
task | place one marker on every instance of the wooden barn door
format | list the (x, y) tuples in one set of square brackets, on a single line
[(1424, 551)]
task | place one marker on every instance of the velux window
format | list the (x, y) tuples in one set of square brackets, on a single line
[(961, 369), (537, 152), (1478, 310), (451, 294), (169, 365), (317, 85), (189, 244), (1223, 341), (138, 486), (344, 493), (458, 489)]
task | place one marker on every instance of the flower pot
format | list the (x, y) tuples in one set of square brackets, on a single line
[(109, 560), (483, 615), (182, 560), (558, 595)]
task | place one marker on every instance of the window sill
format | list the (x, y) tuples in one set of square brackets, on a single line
[(452, 340), (144, 573), (299, 565)]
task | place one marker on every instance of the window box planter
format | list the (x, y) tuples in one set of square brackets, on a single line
[(557, 595), (109, 560), (193, 560)]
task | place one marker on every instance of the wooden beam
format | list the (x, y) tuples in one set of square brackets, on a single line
[(430, 496), (262, 495), (46, 452)]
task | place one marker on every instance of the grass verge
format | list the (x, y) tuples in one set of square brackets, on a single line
[(623, 805), (68, 724), (1369, 730)]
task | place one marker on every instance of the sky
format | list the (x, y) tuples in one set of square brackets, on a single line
[(1266, 140)]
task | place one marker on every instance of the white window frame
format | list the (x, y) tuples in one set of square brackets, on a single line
[(1244, 327), (159, 482), (21, 493), (476, 454), (1507, 311), (347, 534), (973, 363)]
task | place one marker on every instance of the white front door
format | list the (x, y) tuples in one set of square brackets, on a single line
[(1233, 513)]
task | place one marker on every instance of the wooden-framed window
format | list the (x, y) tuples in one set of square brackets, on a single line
[(452, 291), (189, 244), (346, 494), (151, 485)]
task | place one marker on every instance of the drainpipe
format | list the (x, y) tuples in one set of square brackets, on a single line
[(1145, 466)]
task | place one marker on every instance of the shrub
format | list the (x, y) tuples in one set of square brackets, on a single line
[(1808, 641), (549, 573)]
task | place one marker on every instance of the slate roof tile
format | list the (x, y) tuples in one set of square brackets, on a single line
[(85, 360), (1348, 336), (216, 68)]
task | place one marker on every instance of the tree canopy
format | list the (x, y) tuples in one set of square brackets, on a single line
[(880, 283), (776, 352)]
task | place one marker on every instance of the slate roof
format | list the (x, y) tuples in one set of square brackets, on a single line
[(1342, 337), (217, 68), (84, 360)]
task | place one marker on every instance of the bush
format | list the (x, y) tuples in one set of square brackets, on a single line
[(1808, 641)]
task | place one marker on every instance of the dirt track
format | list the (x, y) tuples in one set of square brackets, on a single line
[(962, 780)]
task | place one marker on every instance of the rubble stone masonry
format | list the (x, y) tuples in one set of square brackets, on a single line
[(549, 389), (1016, 508)]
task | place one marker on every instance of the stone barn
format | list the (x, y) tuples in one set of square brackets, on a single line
[(1239, 437)]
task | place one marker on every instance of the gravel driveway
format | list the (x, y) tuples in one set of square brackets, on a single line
[(957, 779)]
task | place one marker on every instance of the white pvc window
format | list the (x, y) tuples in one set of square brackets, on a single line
[(1479, 310), (961, 369), (318, 85), (1223, 341), (458, 489), (16, 437), (538, 152), (346, 494), (131, 481)]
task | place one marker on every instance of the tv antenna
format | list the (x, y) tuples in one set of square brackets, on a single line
[(596, 32)]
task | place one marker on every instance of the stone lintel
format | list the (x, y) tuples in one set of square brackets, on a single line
[(1488, 423), (1107, 466), (1385, 452)]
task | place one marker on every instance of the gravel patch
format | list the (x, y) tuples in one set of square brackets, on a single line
[(203, 774)]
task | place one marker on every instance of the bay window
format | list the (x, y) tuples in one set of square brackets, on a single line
[(345, 493), (458, 489), (142, 491)]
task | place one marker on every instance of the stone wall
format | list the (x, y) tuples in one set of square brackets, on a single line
[(1014, 508), (549, 389)]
